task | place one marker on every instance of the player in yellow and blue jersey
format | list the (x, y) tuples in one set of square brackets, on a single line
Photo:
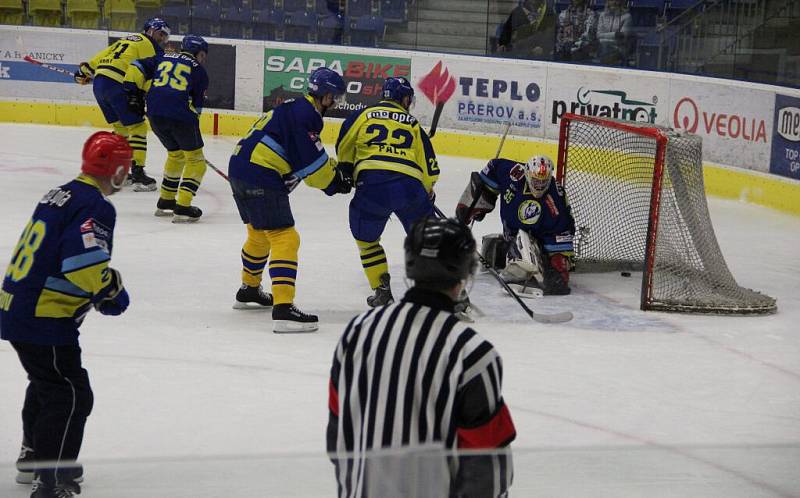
[(394, 168), (177, 90), (282, 148), (60, 270), (106, 71)]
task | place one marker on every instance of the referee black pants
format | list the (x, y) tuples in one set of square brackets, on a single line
[(57, 402)]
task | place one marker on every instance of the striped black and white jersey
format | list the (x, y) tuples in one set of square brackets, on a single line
[(411, 375)]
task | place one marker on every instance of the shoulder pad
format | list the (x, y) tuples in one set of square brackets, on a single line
[(135, 38)]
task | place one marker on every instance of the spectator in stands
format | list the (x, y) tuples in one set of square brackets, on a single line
[(529, 31), (614, 34), (576, 34)]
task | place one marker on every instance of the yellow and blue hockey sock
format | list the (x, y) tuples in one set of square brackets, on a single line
[(255, 253), (137, 138), (193, 173), (173, 169), (373, 259), (284, 243)]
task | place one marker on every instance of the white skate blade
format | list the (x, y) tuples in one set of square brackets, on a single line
[(138, 187), (163, 212), (182, 218), (527, 292), (292, 327), (249, 306)]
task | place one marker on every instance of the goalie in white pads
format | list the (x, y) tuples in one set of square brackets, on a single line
[(535, 248)]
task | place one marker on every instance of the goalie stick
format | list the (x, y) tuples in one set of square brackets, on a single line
[(561, 317), (45, 65)]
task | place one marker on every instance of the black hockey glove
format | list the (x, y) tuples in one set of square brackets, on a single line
[(84, 74), (136, 102), (341, 183), (113, 299)]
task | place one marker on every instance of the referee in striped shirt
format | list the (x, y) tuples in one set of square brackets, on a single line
[(410, 382)]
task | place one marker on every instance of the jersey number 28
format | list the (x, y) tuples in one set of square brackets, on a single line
[(172, 74), (28, 244)]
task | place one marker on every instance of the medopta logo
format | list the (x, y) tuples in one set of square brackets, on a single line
[(789, 123), (621, 108), (687, 116)]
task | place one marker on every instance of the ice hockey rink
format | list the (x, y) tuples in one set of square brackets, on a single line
[(193, 398)]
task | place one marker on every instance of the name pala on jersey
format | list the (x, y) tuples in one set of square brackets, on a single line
[(56, 197), (400, 117)]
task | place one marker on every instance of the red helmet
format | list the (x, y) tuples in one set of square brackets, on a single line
[(104, 153)]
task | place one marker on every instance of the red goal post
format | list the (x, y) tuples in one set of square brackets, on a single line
[(639, 204)]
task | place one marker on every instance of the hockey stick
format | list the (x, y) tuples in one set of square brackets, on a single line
[(436, 115), (218, 171), (45, 65)]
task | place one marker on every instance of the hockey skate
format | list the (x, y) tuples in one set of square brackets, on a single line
[(286, 318), (252, 298), (140, 181), (186, 214), (383, 293), (60, 490), (26, 464), (165, 207)]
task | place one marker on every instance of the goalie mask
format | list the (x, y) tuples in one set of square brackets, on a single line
[(538, 173)]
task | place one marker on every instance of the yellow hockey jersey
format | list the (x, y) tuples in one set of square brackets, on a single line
[(386, 137), (113, 61)]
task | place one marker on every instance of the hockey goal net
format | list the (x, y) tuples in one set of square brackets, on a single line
[(639, 204)]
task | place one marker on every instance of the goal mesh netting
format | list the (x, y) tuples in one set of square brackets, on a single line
[(639, 204)]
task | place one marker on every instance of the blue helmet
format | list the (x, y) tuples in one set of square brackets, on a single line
[(323, 81), (396, 88), (156, 23), (194, 44)]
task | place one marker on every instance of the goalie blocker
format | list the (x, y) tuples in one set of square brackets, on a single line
[(535, 248)]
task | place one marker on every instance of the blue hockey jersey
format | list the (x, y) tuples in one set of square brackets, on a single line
[(59, 266), (177, 85), (284, 142), (548, 219)]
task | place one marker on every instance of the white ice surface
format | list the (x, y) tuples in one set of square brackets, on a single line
[(618, 402)]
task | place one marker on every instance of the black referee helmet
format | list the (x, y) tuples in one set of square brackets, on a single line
[(440, 252)]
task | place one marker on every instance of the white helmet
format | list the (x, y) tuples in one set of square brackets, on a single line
[(538, 173)]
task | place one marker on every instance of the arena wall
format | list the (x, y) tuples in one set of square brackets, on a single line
[(751, 132)]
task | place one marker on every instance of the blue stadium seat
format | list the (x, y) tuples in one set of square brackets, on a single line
[(263, 4), (266, 23), (295, 5), (205, 18), (177, 15), (236, 22), (357, 8), (328, 7), (394, 11), (330, 22), (598, 4), (364, 31), (300, 26)]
